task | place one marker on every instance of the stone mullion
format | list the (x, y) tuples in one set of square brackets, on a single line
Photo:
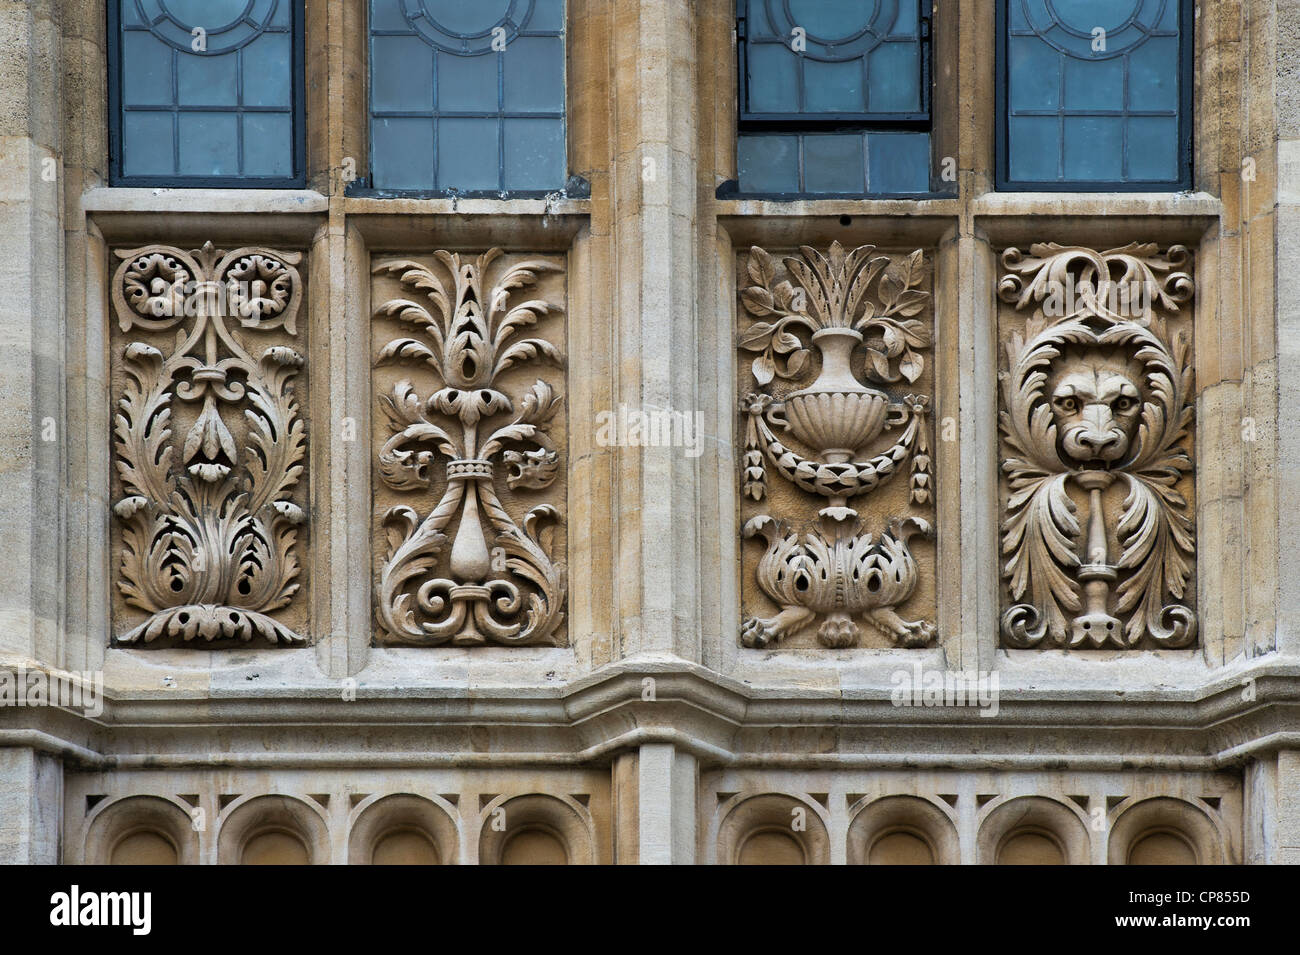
[(1264, 141), (965, 34), (719, 532), (339, 300), (1223, 574), (720, 618), (655, 308), (1285, 521), (591, 360), (32, 331), (83, 163), (90, 587), (971, 562), (666, 801)]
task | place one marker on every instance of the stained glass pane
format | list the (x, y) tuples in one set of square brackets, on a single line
[(871, 162), (898, 163), (203, 91), (895, 79), (468, 152), (768, 164), (1093, 94), (209, 144), (834, 163), (534, 152), (477, 87), (402, 151)]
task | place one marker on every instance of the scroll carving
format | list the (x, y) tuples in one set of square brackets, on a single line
[(1098, 534), (469, 447), (209, 444), (839, 343)]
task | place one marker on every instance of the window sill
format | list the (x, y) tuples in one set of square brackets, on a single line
[(130, 199), (1102, 218), (809, 206), (1098, 204), (365, 205)]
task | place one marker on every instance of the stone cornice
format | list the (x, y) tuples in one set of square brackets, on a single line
[(723, 722)]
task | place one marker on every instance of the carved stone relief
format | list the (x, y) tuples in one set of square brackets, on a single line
[(469, 470), (1098, 533), (835, 409), (209, 446)]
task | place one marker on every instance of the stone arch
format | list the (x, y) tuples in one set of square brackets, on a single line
[(1032, 830), (535, 829), (416, 820), (1164, 830), (760, 829), (141, 830), (269, 824), (902, 827)]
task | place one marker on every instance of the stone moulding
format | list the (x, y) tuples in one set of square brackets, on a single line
[(497, 580), (856, 323), (1097, 413), (209, 523)]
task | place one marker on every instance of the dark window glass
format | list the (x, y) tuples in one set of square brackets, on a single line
[(834, 97), (1094, 94), (205, 92), (467, 97)]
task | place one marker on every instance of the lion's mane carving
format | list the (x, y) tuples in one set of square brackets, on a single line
[(1095, 394)]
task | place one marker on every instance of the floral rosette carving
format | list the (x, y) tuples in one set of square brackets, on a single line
[(495, 580), (209, 529), (1097, 392), (850, 309)]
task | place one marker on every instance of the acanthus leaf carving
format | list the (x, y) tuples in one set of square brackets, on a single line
[(1097, 393), (468, 572), (838, 312), (209, 535)]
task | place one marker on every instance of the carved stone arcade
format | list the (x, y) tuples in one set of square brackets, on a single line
[(839, 328), (1098, 532)]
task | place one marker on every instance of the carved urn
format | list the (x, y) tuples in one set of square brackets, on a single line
[(836, 414)]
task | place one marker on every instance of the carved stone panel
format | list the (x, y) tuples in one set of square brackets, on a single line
[(470, 438), (837, 492), (209, 447), (1096, 421)]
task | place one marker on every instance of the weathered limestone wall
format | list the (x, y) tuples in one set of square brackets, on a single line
[(643, 728)]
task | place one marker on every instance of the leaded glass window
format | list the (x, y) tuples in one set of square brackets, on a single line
[(1094, 94), (205, 92), (834, 97), (467, 98)]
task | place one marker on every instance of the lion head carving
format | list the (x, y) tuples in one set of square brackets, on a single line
[(1096, 403)]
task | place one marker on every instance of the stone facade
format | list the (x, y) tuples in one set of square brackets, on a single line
[(351, 503)]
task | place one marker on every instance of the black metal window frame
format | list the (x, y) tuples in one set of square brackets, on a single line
[(574, 187), (1186, 103), (799, 123), (297, 89)]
